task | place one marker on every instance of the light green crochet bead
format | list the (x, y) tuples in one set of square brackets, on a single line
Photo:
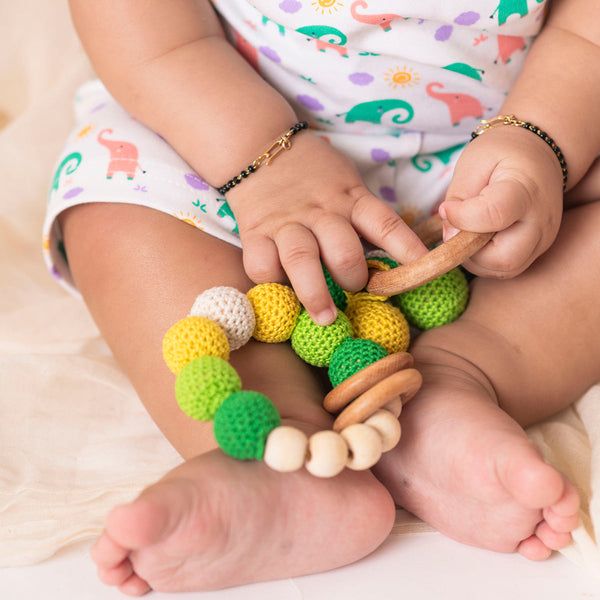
[(203, 384), (436, 303), (242, 424), (316, 344)]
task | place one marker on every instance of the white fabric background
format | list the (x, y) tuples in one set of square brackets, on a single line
[(74, 441)]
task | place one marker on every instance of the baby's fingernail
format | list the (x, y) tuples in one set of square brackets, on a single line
[(450, 232), (442, 211), (325, 317)]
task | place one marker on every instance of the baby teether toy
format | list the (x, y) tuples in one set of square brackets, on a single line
[(364, 350)]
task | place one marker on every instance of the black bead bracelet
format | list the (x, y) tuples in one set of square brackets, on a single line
[(282, 143), (512, 120)]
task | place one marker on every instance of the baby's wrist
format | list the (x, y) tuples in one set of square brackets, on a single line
[(512, 121)]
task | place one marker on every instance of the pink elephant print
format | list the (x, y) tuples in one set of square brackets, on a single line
[(507, 46), (123, 156), (383, 20), (461, 106)]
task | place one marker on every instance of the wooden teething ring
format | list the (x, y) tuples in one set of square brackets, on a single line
[(404, 383), (347, 391), (438, 261)]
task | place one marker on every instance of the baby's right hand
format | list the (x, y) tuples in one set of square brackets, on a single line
[(309, 204)]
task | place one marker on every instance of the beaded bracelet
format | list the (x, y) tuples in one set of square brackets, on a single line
[(365, 351), (281, 143), (512, 120)]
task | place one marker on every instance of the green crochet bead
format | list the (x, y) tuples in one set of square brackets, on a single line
[(337, 293), (242, 424), (352, 356), (316, 343), (436, 303), (203, 384)]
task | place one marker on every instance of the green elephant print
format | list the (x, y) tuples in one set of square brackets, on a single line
[(68, 165), (507, 8), (326, 37), (391, 112)]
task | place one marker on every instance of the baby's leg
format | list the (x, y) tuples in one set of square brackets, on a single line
[(213, 522), (523, 350)]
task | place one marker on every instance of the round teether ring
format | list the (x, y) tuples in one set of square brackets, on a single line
[(438, 261)]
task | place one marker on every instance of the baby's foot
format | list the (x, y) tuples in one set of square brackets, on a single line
[(215, 522), (468, 469)]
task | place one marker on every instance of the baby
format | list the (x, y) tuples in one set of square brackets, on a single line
[(191, 95)]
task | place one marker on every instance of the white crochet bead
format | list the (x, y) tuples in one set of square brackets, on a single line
[(285, 449), (328, 454), (230, 309), (365, 446), (387, 426)]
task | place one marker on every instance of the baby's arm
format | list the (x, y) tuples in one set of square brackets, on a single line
[(170, 66), (508, 180)]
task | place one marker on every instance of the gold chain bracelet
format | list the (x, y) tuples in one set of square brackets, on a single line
[(486, 125), (282, 143)]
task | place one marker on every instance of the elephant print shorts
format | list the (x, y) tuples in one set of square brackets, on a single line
[(111, 157)]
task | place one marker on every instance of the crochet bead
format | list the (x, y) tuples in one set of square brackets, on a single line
[(351, 356), (203, 384), (315, 344), (242, 424), (381, 256), (276, 308), (387, 426), (364, 444), (190, 338), (328, 454), (337, 294), (285, 450), (436, 303), (380, 322), (231, 310)]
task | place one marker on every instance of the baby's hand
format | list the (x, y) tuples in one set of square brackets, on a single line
[(509, 181), (311, 204)]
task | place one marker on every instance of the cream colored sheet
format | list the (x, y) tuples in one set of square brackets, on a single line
[(74, 440)]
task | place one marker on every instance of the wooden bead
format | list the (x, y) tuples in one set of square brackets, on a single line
[(364, 444), (328, 454), (387, 426), (285, 449), (394, 406)]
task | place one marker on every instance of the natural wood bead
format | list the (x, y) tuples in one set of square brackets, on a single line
[(394, 406), (387, 426), (328, 454), (285, 449), (364, 444)]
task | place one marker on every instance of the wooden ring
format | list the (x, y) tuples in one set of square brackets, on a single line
[(404, 383), (438, 261), (362, 380)]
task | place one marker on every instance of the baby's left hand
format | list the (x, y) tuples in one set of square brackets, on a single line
[(507, 180)]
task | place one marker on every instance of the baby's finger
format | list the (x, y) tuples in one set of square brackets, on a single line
[(497, 207), (300, 257), (381, 226), (342, 252), (261, 259), (507, 254)]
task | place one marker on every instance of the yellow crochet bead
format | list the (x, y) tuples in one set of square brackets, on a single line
[(380, 322), (191, 338), (276, 308)]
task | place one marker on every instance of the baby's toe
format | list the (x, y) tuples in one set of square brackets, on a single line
[(534, 549), (553, 539), (115, 575)]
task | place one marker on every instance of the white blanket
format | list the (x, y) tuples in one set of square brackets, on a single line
[(74, 440)]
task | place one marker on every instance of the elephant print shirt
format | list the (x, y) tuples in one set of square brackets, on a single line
[(388, 80)]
